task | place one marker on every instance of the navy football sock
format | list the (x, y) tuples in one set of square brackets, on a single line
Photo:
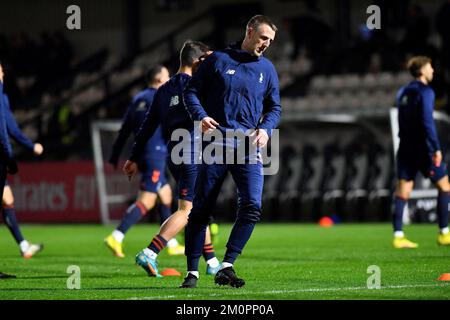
[(135, 212), (158, 243), (164, 212), (397, 218), (192, 263), (241, 232), (194, 239), (208, 251), (442, 209), (9, 216)]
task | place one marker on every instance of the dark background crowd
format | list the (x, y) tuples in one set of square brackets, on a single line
[(41, 70)]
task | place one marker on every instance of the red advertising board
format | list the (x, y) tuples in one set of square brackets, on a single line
[(56, 192)]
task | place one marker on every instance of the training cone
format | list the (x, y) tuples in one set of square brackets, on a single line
[(170, 273), (326, 222), (444, 277)]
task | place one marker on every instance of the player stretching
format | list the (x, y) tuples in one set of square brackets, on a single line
[(152, 164), (27, 249), (419, 149), (234, 89), (168, 110)]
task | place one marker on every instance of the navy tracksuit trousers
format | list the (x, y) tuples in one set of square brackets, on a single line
[(249, 181)]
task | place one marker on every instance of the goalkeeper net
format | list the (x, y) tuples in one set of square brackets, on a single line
[(114, 190)]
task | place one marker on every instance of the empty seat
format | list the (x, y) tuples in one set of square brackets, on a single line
[(302, 104), (336, 83), (368, 101), (283, 65), (287, 103), (402, 78), (319, 84), (369, 82), (385, 80), (83, 79), (351, 82), (334, 102), (350, 101), (317, 103)]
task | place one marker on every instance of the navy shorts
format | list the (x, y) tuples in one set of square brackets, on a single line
[(184, 173), (185, 176), (153, 176), (408, 166)]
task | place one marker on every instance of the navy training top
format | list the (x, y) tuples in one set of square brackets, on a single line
[(417, 130), (154, 148), (237, 89), (168, 111)]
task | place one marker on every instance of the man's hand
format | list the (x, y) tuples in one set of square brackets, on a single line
[(38, 149), (203, 57), (11, 166), (208, 125), (130, 169), (437, 158), (261, 138)]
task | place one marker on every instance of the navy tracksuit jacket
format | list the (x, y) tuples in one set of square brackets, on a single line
[(154, 148), (239, 91), (153, 157), (166, 114), (169, 113), (5, 146), (13, 129)]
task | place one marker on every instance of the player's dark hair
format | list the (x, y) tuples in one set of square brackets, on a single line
[(192, 51), (258, 20), (152, 72), (416, 63)]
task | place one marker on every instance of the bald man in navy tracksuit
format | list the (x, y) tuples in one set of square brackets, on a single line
[(234, 89)]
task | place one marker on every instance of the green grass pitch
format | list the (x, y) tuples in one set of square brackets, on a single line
[(281, 261)]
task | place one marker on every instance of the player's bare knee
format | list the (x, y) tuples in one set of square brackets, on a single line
[(165, 195), (8, 197), (148, 201), (8, 203), (185, 206), (166, 201), (404, 189), (443, 185), (403, 195)]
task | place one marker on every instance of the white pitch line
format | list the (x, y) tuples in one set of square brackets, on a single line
[(289, 291)]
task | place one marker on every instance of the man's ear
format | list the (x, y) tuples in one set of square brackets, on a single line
[(250, 32)]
